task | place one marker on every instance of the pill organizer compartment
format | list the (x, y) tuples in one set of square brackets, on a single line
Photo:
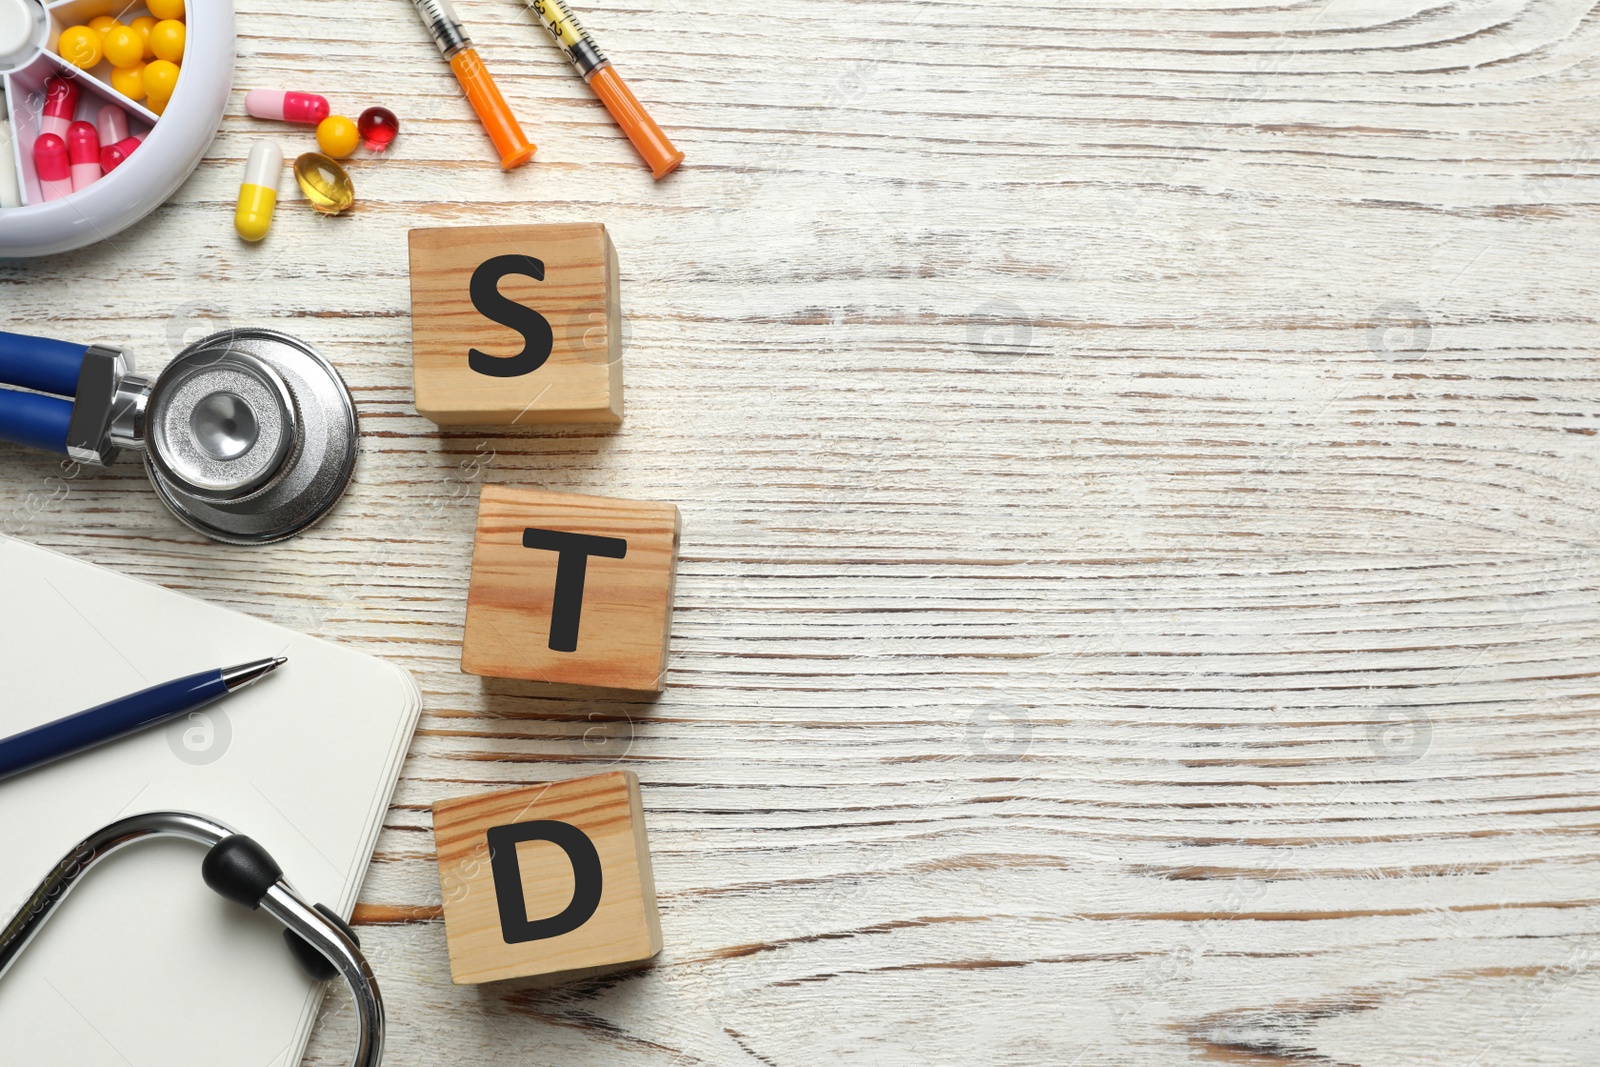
[(68, 13), (173, 143), (26, 87)]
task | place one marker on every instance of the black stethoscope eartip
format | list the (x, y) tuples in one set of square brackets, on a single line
[(240, 870), (315, 964)]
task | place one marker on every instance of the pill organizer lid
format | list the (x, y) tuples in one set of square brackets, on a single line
[(21, 30)]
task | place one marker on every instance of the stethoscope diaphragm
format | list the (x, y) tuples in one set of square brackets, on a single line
[(257, 436), (249, 436)]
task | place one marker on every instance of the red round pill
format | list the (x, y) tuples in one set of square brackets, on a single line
[(378, 127)]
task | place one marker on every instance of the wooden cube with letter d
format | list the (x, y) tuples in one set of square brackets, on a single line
[(516, 325), (571, 589), (547, 878)]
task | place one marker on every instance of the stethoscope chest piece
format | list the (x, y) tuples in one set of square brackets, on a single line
[(250, 436)]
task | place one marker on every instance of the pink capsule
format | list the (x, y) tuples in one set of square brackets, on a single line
[(60, 105), (308, 109), (113, 156), (83, 152), (53, 166), (112, 124)]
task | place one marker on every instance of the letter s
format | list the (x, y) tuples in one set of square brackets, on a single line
[(535, 328)]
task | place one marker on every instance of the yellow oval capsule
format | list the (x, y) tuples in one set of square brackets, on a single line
[(324, 182), (258, 193)]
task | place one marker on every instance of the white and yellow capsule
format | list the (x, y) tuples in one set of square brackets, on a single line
[(258, 193)]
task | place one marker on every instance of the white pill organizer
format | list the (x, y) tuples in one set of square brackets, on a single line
[(173, 145)]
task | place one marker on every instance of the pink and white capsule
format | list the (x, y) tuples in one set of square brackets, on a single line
[(51, 163), (115, 143), (113, 156), (112, 124), (308, 109), (83, 152), (60, 106)]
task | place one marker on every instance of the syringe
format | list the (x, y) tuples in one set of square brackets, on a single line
[(482, 93), (596, 69)]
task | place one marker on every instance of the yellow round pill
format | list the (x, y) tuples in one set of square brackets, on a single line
[(143, 24), (166, 40), (160, 78), (337, 136), (158, 106), (129, 81), (166, 9), (80, 46), (101, 24), (123, 46)]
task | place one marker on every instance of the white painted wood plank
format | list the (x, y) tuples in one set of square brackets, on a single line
[(1139, 586)]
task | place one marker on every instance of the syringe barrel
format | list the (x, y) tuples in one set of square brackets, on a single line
[(569, 33), (444, 26)]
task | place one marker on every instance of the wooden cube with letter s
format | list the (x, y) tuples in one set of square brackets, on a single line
[(546, 878), (516, 325)]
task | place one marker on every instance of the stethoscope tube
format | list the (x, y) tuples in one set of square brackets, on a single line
[(58, 373), (240, 870), (44, 366), (35, 420), (40, 364)]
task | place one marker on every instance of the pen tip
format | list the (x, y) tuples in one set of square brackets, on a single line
[(242, 675)]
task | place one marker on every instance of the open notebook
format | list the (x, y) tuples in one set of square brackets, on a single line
[(143, 966)]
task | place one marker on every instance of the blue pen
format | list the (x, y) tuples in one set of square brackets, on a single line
[(125, 715)]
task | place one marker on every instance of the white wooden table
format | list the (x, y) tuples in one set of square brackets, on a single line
[(1139, 591)]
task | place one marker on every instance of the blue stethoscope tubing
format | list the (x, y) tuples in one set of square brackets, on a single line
[(38, 419)]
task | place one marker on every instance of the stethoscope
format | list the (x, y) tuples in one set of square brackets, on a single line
[(243, 872), (249, 436)]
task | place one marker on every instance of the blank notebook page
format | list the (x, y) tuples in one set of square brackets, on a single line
[(143, 964)]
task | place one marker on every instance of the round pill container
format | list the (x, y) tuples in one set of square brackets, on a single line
[(170, 144)]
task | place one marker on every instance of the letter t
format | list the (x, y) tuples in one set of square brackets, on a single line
[(572, 563)]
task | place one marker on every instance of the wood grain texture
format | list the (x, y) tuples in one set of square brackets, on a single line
[(622, 925), (1138, 600)]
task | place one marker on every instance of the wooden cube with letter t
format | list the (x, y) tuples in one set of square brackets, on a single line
[(516, 325), (571, 589), (547, 878)]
